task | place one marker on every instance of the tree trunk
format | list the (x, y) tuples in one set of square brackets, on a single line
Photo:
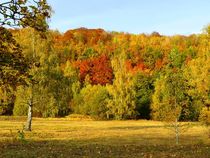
[(30, 102), (29, 119), (177, 131), (30, 112)]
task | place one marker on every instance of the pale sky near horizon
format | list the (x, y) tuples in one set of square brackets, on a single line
[(167, 17)]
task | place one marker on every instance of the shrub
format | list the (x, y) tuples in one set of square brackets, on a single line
[(205, 116), (92, 100)]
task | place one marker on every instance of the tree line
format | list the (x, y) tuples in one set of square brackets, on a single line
[(107, 75)]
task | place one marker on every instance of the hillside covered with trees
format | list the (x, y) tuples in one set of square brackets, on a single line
[(108, 75)]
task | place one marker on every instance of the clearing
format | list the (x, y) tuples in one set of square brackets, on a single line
[(65, 137)]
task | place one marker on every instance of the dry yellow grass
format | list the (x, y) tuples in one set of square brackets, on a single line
[(61, 137)]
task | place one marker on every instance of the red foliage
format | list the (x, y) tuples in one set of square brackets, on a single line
[(159, 64), (188, 59), (99, 70), (135, 67), (87, 36)]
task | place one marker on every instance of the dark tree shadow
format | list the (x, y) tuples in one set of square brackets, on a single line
[(99, 148), (134, 127)]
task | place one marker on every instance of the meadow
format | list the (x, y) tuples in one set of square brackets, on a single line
[(79, 137)]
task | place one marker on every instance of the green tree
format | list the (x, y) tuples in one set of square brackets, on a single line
[(13, 65), (51, 93), (176, 59), (168, 100), (58, 83), (13, 69), (143, 84), (92, 100)]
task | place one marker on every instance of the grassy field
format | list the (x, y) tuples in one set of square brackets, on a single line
[(66, 137)]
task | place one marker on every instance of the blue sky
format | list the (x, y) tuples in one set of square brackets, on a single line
[(167, 17)]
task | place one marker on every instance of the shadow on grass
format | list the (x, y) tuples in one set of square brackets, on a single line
[(134, 127), (99, 148)]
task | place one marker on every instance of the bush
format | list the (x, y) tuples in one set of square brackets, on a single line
[(205, 116), (92, 100)]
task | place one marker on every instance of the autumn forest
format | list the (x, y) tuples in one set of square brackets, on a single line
[(107, 75), (80, 87)]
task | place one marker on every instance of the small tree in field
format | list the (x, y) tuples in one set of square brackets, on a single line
[(204, 118), (167, 101)]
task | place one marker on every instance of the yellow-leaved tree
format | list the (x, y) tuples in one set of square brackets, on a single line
[(121, 105)]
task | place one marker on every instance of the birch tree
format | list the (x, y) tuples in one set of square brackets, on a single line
[(168, 99)]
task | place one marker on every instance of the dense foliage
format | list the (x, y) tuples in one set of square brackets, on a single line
[(14, 66), (25, 13), (110, 75)]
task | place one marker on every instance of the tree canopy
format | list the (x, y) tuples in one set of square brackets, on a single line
[(32, 13), (110, 75)]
